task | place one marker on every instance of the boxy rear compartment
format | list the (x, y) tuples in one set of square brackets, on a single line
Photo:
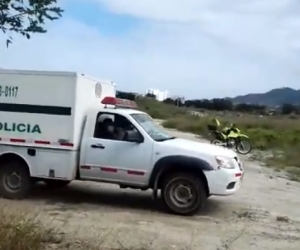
[(36, 107), (47, 108)]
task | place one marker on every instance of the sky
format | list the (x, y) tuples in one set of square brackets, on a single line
[(192, 48)]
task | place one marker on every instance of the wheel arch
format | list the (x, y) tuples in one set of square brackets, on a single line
[(178, 163), (12, 156)]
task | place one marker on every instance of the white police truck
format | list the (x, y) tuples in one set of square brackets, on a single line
[(58, 127)]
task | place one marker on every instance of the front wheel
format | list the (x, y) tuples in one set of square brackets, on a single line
[(183, 194), (15, 180), (243, 146)]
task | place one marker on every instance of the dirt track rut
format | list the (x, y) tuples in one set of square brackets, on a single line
[(264, 214)]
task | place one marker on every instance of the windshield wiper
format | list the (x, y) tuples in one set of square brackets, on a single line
[(166, 139)]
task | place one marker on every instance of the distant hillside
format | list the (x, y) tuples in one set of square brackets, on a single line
[(272, 98)]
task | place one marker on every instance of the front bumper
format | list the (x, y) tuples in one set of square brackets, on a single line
[(225, 181)]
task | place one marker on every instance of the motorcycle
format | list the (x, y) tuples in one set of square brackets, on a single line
[(231, 137)]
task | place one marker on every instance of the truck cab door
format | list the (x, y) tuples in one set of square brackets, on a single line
[(126, 159)]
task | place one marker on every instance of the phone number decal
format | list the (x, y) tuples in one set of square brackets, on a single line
[(8, 91)]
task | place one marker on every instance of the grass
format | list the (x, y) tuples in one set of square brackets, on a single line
[(265, 132), (280, 134), (159, 110), (20, 233)]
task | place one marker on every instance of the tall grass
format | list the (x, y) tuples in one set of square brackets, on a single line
[(20, 233), (265, 132), (159, 110), (24, 232), (281, 135)]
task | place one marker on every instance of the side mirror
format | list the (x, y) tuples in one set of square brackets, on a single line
[(134, 136)]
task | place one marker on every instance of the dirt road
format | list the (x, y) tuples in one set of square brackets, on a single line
[(264, 214)]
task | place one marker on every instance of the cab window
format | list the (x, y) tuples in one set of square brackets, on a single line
[(113, 127)]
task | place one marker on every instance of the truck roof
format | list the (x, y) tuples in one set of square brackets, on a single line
[(120, 111), (50, 73)]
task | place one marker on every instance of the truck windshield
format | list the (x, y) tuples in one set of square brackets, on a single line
[(156, 132)]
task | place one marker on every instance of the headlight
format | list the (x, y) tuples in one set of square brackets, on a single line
[(224, 162)]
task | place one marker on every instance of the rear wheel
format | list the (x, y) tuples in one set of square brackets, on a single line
[(243, 146), (56, 184), (15, 180), (183, 193)]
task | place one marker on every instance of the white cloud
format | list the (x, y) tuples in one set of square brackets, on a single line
[(209, 48)]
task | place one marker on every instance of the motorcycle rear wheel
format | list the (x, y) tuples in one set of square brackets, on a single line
[(243, 146)]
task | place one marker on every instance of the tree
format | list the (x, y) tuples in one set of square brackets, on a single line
[(169, 101), (27, 16), (213, 104), (126, 95), (150, 95), (287, 109)]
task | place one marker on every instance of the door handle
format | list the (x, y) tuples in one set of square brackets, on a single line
[(100, 146)]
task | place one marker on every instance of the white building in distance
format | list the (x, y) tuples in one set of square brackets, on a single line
[(160, 95)]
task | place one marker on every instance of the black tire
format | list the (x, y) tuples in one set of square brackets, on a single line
[(56, 184), (14, 171), (240, 142), (196, 187)]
